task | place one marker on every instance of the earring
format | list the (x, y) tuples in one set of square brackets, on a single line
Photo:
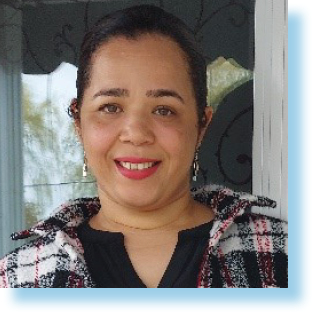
[(84, 168), (196, 166)]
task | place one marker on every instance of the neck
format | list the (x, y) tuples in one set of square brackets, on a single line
[(116, 217)]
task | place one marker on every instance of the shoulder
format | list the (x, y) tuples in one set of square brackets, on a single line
[(40, 262), (245, 249), (234, 217), (56, 248), (222, 198), (259, 233), (17, 269), (251, 252)]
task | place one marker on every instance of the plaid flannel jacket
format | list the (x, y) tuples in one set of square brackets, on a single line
[(244, 249)]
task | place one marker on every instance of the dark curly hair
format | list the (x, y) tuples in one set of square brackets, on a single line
[(131, 23)]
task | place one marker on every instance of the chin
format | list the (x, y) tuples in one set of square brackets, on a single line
[(136, 198), (146, 194)]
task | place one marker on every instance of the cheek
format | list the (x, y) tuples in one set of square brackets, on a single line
[(179, 142), (97, 136)]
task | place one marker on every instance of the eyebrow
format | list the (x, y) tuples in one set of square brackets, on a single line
[(116, 92), (164, 93)]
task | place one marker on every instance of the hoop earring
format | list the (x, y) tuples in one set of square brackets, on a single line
[(196, 166), (84, 168)]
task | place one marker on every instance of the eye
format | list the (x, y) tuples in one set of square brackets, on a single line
[(110, 108), (164, 111)]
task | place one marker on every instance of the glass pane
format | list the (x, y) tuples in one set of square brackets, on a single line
[(52, 153)]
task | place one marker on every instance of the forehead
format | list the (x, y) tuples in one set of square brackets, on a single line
[(148, 62), (151, 49)]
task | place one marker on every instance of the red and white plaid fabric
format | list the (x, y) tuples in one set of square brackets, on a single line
[(244, 249)]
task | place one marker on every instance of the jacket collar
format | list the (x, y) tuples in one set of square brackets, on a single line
[(226, 203)]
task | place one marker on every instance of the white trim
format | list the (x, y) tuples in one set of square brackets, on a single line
[(11, 172), (270, 138)]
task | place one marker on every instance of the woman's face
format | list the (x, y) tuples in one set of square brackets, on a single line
[(138, 121)]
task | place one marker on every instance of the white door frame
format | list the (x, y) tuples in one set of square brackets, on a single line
[(270, 138)]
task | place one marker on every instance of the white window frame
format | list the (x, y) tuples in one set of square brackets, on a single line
[(270, 137), (11, 168), (270, 140)]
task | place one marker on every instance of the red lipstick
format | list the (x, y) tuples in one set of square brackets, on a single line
[(137, 168)]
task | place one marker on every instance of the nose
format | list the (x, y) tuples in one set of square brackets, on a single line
[(137, 131)]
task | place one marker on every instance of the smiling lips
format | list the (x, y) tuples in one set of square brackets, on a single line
[(137, 168)]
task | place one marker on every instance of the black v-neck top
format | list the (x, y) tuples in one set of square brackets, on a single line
[(111, 267)]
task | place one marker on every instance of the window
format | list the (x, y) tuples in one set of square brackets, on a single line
[(52, 154)]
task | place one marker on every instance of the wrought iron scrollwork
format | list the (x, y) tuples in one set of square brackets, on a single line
[(28, 50), (201, 22), (61, 39), (241, 158)]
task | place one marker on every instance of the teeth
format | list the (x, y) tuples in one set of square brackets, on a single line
[(136, 166)]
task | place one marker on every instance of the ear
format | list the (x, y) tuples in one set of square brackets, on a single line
[(206, 119), (73, 112)]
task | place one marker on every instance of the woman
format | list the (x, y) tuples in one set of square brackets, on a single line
[(141, 114)]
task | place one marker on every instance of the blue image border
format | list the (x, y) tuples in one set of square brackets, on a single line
[(291, 294)]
